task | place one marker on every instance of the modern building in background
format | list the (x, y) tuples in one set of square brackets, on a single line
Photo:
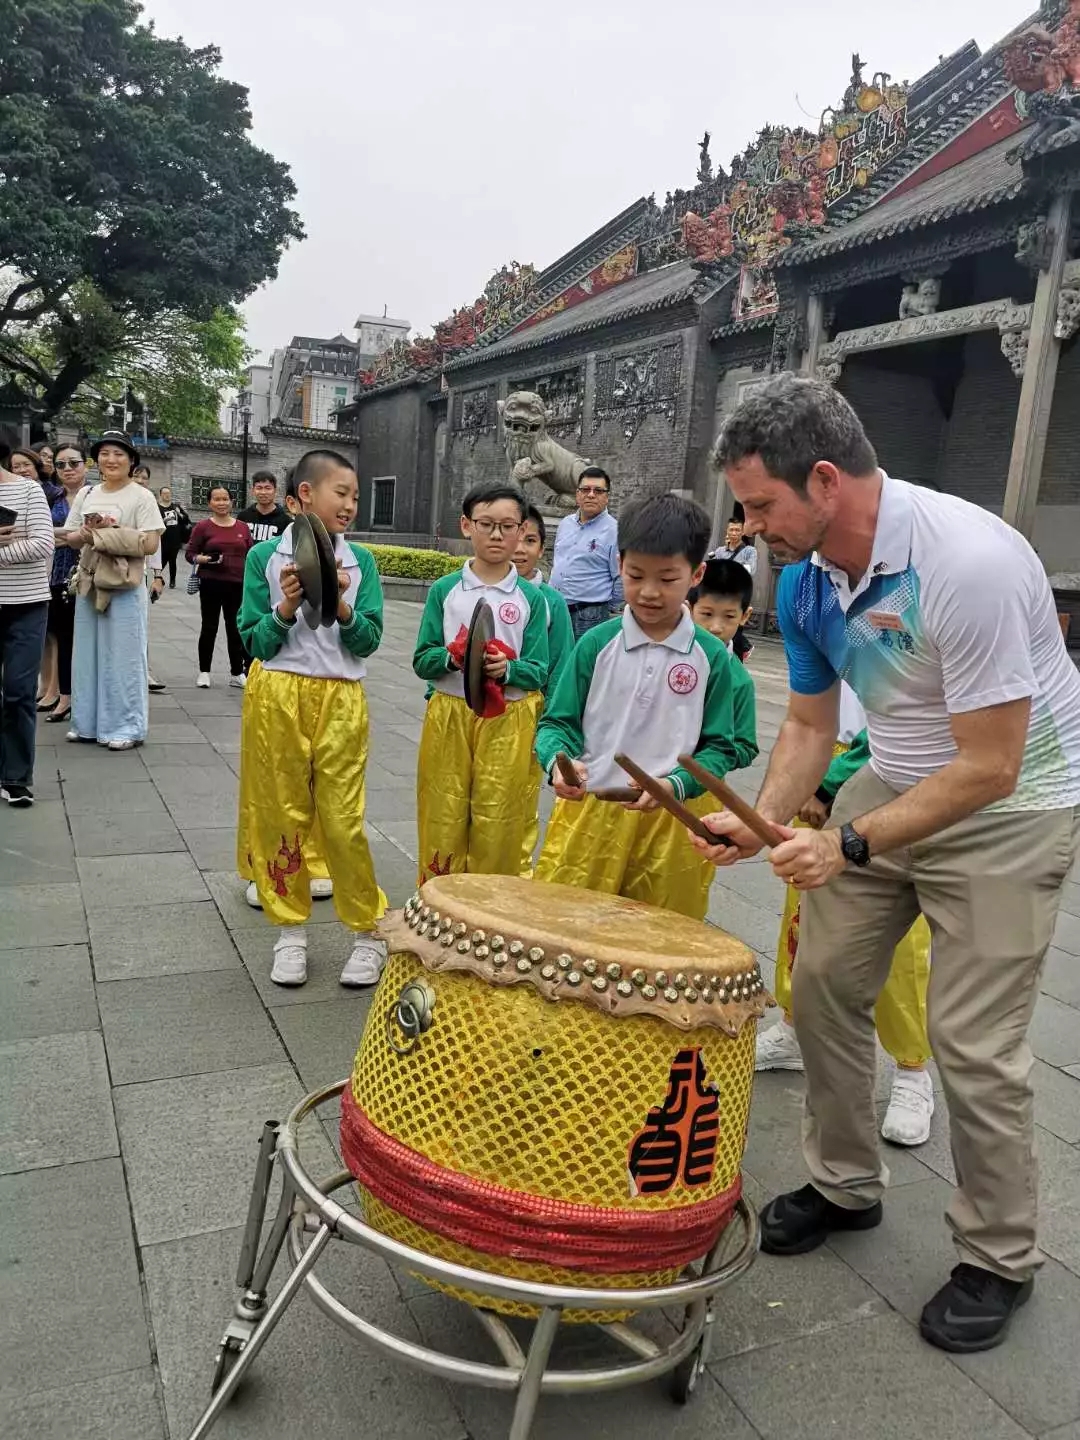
[(375, 334)]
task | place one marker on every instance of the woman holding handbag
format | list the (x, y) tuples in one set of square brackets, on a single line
[(114, 526), (219, 546)]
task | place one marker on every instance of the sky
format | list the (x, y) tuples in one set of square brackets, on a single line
[(432, 143)]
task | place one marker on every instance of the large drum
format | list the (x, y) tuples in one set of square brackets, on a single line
[(553, 1084)]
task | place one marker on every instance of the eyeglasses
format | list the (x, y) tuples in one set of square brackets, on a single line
[(591, 490), (497, 527), (68, 464)]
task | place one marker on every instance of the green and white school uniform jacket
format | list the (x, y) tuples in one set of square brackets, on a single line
[(520, 623), (333, 652), (744, 704), (650, 699), (559, 627)]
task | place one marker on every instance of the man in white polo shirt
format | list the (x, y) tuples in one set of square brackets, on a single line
[(968, 811)]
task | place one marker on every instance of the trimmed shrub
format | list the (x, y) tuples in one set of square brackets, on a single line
[(406, 564)]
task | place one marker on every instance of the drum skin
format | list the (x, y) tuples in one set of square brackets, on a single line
[(544, 1138)]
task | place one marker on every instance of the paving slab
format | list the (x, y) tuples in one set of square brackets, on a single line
[(1059, 1199), (56, 1225), (211, 848), (138, 834), (1061, 976), (322, 1038), (114, 883), (46, 991), (1057, 1101), (56, 1108), (328, 947), (98, 795), (115, 1407), (751, 923), (876, 1379), (311, 1379), (169, 757), (33, 915), (1055, 1032), (190, 1146), (184, 1025), (144, 940), (1067, 933)]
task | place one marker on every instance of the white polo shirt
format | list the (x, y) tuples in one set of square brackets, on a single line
[(954, 614)]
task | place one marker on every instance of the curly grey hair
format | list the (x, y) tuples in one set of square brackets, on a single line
[(792, 423)]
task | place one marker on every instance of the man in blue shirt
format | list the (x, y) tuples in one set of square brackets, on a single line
[(586, 569)]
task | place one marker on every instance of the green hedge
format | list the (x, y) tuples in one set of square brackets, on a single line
[(407, 564)]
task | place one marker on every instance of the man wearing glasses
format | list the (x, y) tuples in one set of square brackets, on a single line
[(586, 569)]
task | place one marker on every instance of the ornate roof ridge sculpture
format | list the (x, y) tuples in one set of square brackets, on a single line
[(1044, 67)]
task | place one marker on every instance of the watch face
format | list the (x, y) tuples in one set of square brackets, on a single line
[(856, 849)]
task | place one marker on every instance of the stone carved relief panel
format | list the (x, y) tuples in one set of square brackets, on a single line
[(563, 392), (1068, 312), (474, 412), (1011, 320), (629, 387)]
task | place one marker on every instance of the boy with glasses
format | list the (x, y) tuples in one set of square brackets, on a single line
[(586, 569), (473, 772)]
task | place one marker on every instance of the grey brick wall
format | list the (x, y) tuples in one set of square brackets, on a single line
[(397, 438), (978, 442), (901, 415)]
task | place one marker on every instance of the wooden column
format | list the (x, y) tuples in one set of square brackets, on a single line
[(1040, 377), (815, 334)]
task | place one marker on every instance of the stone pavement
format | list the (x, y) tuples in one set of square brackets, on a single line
[(142, 1046)]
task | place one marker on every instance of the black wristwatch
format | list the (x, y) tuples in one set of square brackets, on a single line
[(856, 849)]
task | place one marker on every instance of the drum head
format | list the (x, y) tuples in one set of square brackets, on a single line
[(481, 631), (328, 565)]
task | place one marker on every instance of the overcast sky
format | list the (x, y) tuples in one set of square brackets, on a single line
[(431, 142)]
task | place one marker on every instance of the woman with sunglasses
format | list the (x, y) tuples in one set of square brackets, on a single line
[(28, 465), (70, 465)]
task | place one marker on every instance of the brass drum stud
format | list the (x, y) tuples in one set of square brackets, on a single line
[(661, 979), (464, 946), (434, 917), (639, 977), (680, 982), (698, 979), (461, 929), (706, 994), (524, 966), (573, 978), (614, 972), (478, 937), (600, 983), (564, 962), (548, 972), (624, 988), (497, 942), (536, 954), (690, 994), (446, 939), (671, 994), (481, 952), (590, 967), (649, 991), (499, 960)]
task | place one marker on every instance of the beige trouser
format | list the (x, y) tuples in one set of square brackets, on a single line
[(989, 888)]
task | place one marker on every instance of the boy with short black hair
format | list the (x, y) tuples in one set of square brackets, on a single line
[(304, 736), (653, 685), (530, 547), (472, 780), (266, 517), (720, 604)]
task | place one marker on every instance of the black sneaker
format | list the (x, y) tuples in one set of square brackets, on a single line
[(802, 1220), (19, 797), (972, 1310)]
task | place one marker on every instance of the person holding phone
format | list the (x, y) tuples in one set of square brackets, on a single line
[(26, 550), (115, 526), (219, 546)]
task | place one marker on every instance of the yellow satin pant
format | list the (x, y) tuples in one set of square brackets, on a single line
[(642, 855), (303, 752), (900, 1013), (532, 829), (475, 792), (314, 847)]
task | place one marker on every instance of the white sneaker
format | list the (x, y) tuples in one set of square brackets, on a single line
[(778, 1049), (365, 964), (251, 895), (322, 889), (238, 681), (911, 1108), (121, 744), (203, 680), (290, 957)]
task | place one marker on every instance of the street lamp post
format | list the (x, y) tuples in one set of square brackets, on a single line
[(245, 413)]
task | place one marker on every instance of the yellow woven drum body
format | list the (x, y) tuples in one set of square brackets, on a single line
[(545, 1097)]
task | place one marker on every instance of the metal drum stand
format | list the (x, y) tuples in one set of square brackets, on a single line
[(308, 1220)]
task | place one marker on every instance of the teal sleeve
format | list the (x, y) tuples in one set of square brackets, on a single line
[(431, 659), (560, 638), (262, 632), (363, 634), (530, 670), (744, 705), (843, 767), (561, 725), (716, 750)]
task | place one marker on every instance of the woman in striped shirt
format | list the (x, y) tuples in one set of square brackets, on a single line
[(26, 551)]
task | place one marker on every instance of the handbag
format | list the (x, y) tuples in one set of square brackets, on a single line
[(193, 581)]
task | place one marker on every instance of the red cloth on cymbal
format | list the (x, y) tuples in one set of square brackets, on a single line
[(494, 698)]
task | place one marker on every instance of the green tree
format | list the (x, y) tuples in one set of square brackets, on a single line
[(130, 191)]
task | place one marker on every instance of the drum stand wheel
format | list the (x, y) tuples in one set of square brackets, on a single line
[(306, 1221)]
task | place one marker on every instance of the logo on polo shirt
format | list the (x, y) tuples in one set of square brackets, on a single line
[(509, 613), (682, 679)]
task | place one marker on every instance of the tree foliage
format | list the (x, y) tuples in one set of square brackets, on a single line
[(130, 191)]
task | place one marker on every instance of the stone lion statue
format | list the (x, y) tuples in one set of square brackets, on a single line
[(920, 297), (532, 454)]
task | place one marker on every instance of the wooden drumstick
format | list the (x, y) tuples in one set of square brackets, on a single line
[(567, 771), (619, 794), (665, 798), (765, 831)]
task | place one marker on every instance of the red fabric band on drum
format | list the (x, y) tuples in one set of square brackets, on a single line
[(498, 1221)]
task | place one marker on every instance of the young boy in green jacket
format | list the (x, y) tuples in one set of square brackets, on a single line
[(472, 781), (720, 604), (304, 733), (653, 685)]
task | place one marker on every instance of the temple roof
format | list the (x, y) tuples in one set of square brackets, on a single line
[(655, 290), (986, 179)]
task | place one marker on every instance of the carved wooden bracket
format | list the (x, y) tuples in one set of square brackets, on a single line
[(1001, 315), (1014, 346), (1068, 309)]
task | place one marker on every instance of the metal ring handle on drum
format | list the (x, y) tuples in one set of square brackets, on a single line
[(408, 1022)]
